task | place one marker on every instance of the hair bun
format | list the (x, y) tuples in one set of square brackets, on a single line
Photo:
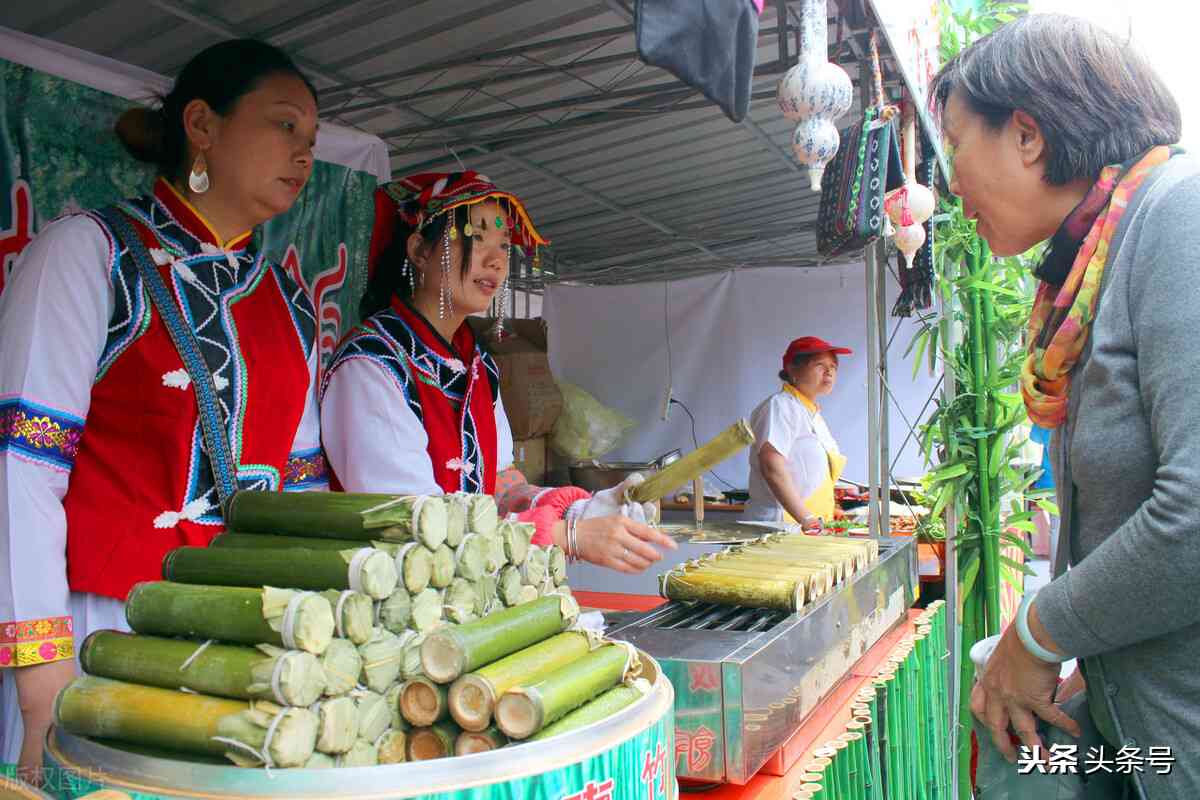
[(142, 132)]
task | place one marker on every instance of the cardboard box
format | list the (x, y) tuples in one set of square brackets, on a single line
[(529, 456), (531, 397)]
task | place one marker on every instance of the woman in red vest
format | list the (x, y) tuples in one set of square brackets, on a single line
[(410, 403), (153, 362)]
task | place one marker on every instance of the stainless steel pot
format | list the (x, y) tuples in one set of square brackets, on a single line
[(597, 476)]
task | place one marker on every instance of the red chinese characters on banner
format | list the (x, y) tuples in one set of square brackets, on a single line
[(20, 231), (704, 677), (694, 748), (653, 765), (593, 791)]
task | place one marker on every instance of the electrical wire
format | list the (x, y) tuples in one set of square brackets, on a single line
[(667, 331), (696, 441)]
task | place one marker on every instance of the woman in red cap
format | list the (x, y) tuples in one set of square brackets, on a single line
[(795, 460), (410, 403)]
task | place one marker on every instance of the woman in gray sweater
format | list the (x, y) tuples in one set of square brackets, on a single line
[(1061, 132)]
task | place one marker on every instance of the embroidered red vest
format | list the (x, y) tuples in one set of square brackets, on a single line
[(141, 484)]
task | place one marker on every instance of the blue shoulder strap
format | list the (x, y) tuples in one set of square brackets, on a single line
[(216, 440)]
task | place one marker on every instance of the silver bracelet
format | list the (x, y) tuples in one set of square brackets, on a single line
[(572, 540)]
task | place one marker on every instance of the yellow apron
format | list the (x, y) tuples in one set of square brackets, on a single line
[(821, 502)]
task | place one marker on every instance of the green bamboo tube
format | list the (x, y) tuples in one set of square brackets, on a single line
[(456, 517), (342, 665), (437, 741), (230, 614), (870, 753), (783, 595), (733, 439), (392, 747), (374, 716), (841, 763), (602, 707), (810, 790), (471, 557), (857, 766), (833, 779), (353, 614), (395, 612), (924, 679), (517, 536), (523, 711), (451, 652), (427, 610), (336, 515), (367, 570), (879, 725), (423, 702), (362, 754), (816, 584), (746, 558), (289, 677), (189, 723), (819, 766), (471, 742), (414, 563), (482, 515), (337, 726), (382, 660), (461, 601), (234, 540), (443, 567), (473, 696)]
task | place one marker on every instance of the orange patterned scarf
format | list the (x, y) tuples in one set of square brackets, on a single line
[(1062, 315)]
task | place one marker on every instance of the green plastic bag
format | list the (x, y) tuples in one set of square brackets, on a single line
[(586, 429)]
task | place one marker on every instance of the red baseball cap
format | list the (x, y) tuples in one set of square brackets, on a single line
[(809, 345)]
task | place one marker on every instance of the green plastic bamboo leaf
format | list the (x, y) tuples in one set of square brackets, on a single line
[(1017, 584), (1024, 569), (1049, 506), (1018, 542), (949, 471)]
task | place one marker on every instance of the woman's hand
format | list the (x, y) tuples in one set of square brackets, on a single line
[(37, 687), (1070, 687), (611, 502), (620, 543), (1016, 688)]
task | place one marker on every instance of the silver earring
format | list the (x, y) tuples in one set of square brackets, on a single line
[(406, 273), (445, 298), (198, 180)]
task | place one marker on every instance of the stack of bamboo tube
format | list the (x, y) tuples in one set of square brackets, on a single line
[(778, 571), (391, 599), (896, 744)]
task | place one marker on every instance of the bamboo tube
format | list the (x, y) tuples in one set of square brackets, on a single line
[(509, 586), (437, 741), (289, 677), (527, 595), (319, 760), (817, 583), (482, 514), (557, 564), (813, 585), (367, 570), (382, 660), (517, 536), (841, 766), (412, 657), (353, 614), (858, 759), (812, 790), (442, 568), (658, 485), (487, 593), (374, 717), (423, 702), (233, 540), (524, 710), (428, 611), (342, 665), (414, 562), (473, 696), (245, 616), (189, 723), (461, 601), (784, 595), (472, 556), (470, 742), (602, 707), (834, 569), (395, 612), (832, 779), (392, 698), (362, 754), (392, 747), (337, 727), (494, 558), (451, 652), (456, 517), (337, 515)]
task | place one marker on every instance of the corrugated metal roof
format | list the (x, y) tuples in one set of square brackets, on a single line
[(633, 175)]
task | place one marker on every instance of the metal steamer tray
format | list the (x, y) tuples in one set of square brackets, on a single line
[(746, 678)]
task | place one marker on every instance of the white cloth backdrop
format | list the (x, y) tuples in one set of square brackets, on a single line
[(728, 334)]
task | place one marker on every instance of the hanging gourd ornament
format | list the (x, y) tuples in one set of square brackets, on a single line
[(911, 203), (814, 93), (909, 239)]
